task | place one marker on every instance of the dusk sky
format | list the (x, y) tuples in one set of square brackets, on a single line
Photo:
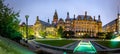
[(45, 9)]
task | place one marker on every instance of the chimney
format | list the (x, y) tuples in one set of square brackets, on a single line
[(85, 13), (94, 18), (99, 18), (68, 15)]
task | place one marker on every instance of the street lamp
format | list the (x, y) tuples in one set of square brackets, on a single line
[(26, 16)]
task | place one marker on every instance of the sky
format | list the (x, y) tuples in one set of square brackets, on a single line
[(45, 9)]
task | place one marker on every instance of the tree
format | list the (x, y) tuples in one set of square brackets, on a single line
[(86, 36), (71, 33), (43, 34), (60, 31), (68, 34), (110, 35), (100, 33), (9, 23)]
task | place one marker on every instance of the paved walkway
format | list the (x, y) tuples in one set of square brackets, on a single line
[(50, 51), (72, 45), (30, 46), (98, 47), (54, 51)]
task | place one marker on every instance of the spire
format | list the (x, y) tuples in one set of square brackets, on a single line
[(74, 16), (55, 18), (118, 11), (55, 14), (37, 18), (55, 11), (68, 15), (48, 20), (85, 13), (94, 18), (85, 17), (99, 18)]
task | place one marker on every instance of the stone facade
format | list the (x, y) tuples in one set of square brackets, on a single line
[(80, 25), (113, 26)]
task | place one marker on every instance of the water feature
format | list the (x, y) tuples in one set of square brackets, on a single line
[(115, 42), (85, 47), (116, 39)]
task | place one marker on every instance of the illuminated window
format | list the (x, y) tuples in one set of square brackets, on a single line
[(78, 33)]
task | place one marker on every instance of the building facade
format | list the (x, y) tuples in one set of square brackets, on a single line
[(80, 25), (45, 29), (40, 29), (55, 19), (113, 26)]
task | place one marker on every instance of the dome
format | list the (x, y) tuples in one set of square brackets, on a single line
[(61, 19)]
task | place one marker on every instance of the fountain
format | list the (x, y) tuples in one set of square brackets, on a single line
[(116, 39), (85, 47)]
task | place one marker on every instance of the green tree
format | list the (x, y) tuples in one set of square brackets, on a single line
[(100, 33), (86, 36), (68, 34), (30, 31), (9, 23), (44, 35), (60, 31), (110, 35)]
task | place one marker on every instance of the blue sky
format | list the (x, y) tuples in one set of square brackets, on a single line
[(46, 8)]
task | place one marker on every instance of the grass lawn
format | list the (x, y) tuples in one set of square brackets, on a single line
[(9, 47), (109, 44), (56, 42)]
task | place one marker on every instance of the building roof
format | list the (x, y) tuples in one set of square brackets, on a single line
[(30, 25), (110, 23), (82, 17), (61, 19), (44, 23)]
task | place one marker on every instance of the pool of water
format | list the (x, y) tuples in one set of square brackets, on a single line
[(116, 39), (85, 47)]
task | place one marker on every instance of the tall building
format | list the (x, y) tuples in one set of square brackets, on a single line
[(113, 26), (68, 24), (81, 25), (55, 19), (37, 27), (61, 23)]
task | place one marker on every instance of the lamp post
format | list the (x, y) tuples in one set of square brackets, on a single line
[(26, 16)]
